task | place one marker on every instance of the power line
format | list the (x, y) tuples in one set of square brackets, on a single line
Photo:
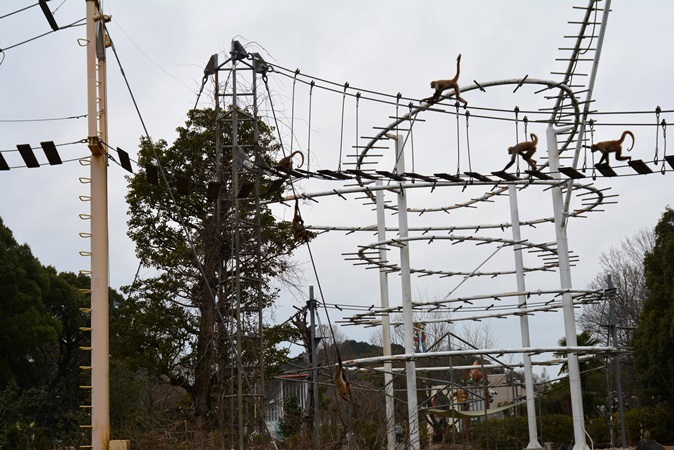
[(74, 24), (18, 11), (49, 165), (49, 119), (81, 141)]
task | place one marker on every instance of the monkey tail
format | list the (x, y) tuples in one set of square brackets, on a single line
[(622, 138), (458, 69), (302, 155), (534, 138)]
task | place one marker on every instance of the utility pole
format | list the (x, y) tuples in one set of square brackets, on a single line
[(524, 320), (311, 304), (385, 323), (406, 288), (610, 293), (565, 283), (97, 121)]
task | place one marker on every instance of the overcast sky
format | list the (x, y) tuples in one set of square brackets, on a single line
[(384, 46)]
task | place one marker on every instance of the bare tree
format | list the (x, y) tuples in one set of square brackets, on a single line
[(327, 343), (479, 336), (436, 331), (625, 264)]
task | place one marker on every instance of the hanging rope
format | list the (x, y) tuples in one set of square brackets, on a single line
[(525, 120), (458, 141), (292, 185), (657, 132), (292, 113), (517, 129), (397, 133), (470, 167), (594, 169), (591, 123), (341, 132), (412, 135), (664, 145), (311, 91), (357, 106), (517, 139)]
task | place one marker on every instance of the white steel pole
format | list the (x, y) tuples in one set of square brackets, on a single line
[(97, 124), (567, 301), (386, 322), (588, 95), (406, 288), (524, 319)]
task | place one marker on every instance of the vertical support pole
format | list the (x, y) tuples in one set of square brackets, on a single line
[(567, 300), (406, 287), (524, 319), (611, 292), (97, 130), (385, 321), (258, 403), (590, 91), (312, 303), (237, 247)]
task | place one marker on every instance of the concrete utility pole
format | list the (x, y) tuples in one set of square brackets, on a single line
[(97, 132), (408, 327), (611, 293), (567, 300), (385, 322), (312, 304), (524, 319)]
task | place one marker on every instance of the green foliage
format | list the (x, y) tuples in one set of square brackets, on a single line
[(653, 338), (25, 322), (506, 432), (372, 434), (592, 376), (558, 428), (657, 420), (40, 321), (584, 339), (350, 349), (291, 424), (599, 429), (177, 323)]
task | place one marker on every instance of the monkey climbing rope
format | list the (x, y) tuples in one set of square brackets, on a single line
[(292, 186)]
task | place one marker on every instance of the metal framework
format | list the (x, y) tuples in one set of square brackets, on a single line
[(235, 281)]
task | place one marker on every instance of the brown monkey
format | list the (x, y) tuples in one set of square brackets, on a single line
[(300, 233), (607, 147), (443, 85), (286, 163), (475, 372), (341, 382), (526, 149)]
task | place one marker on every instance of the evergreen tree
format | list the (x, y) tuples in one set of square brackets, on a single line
[(654, 336), (177, 323), (25, 322)]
